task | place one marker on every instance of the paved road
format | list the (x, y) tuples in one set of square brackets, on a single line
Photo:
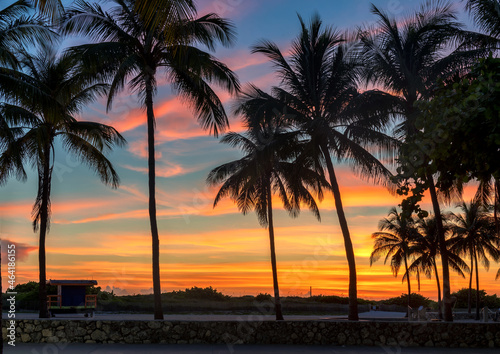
[(223, 349)]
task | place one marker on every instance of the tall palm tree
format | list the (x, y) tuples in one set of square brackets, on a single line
[(425, 251), (408, 57), (41, 104), (486, 14), (475, 236), (396, 241), (18, 31), (319, 95), (266, 169), (130, 52)]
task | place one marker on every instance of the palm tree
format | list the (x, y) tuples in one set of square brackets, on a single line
[(130, 52), (157, 11), (486, 14), (396, 241), (475, 236), (18, 31), (408, 57), (426, 249), (488, 193), (319, 95), (264, 170), (41, 104), (52, 9)]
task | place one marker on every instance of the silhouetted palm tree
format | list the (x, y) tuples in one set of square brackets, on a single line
[(408, 57), (18, 31), (40, 108), (486, 14), (488, 193), (318, 94), (266, 169), (156, 11), (133, 53), (426, 249), (396, 241), (52, 9), (475, 236)]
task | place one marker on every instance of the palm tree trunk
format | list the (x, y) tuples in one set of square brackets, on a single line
[(277, 300), (409, 287), (440, 305), (349, 250), (448, 314), (158, 311), (469, 295), (477, 286), (44, 216)]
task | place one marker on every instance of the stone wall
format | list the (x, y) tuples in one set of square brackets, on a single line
[(429, 334)]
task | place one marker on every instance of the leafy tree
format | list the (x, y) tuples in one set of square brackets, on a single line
[(266, 169), (468, 126), (407, 57), (396, 241), (474, 235), (130, 52), (318, 95), (463, 297), (40, 108)]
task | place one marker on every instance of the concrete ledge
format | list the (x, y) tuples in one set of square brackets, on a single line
[(404, 334)]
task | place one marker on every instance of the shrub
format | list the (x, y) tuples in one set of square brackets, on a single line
[(196, 293), (416, 301), (263, 297)]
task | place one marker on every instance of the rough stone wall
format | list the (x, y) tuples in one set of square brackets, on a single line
[(429, 334)]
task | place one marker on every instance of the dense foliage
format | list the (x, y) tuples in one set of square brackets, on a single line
[(492, 301), (468, 127)]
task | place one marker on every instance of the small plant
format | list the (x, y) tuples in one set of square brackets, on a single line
[(263, 297)]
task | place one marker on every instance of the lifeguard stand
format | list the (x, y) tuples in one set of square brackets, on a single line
[(71, 297)]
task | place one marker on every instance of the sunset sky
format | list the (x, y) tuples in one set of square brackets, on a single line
[(103, 234)]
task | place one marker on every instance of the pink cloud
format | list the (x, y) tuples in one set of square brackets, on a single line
[(243, 59), (167, 170), (227, 8), (21, 250)]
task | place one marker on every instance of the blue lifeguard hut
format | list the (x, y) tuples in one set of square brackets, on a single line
[(71, 297)]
